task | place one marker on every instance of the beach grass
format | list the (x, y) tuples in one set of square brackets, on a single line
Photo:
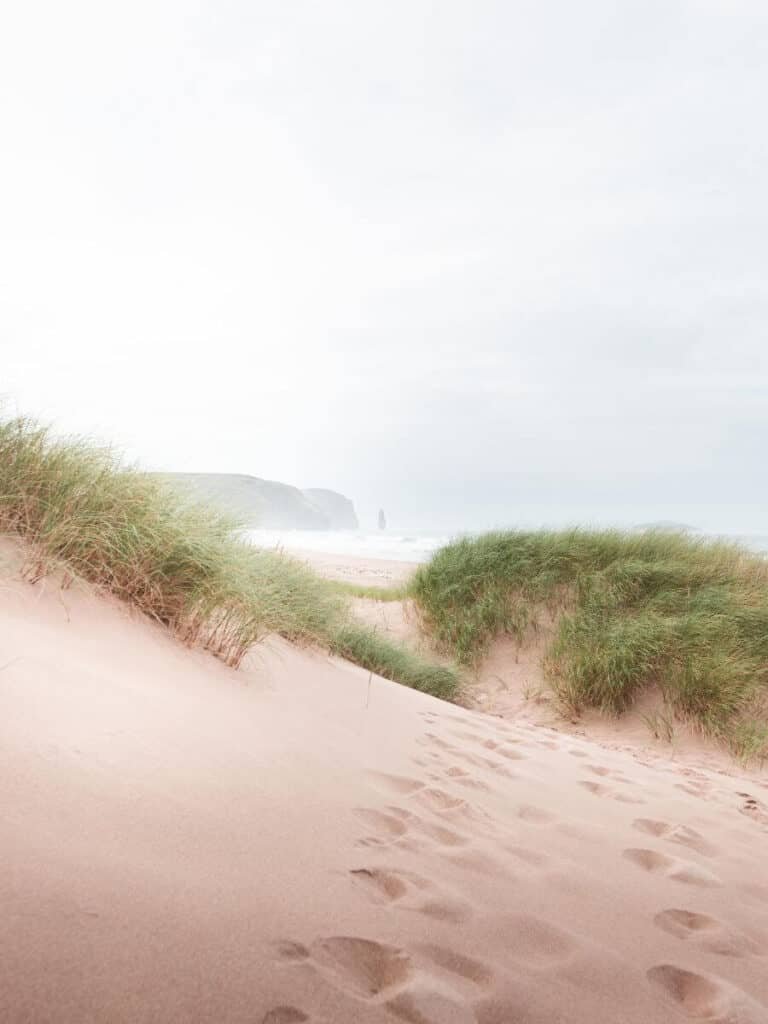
[(81, 512), (371, 593), (367, 647), (629, 610)]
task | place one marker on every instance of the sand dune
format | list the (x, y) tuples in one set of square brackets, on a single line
[(509, 683), (300, 842)]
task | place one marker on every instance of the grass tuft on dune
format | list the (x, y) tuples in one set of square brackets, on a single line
[(366, 647), (79, 510), (631, 610)]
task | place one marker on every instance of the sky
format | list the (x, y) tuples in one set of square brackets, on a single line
[(481, 263)]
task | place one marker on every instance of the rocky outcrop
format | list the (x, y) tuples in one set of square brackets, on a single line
[(339, 510), (267, 503)]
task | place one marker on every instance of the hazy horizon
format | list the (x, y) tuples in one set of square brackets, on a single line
[(487, 265)]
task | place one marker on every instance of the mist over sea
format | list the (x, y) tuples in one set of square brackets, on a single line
[(407, 545), (400, 546)]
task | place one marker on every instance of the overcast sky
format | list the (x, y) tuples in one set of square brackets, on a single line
[(476, 261)]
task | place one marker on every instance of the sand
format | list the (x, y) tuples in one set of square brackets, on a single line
[(298, 841), (367, 572)]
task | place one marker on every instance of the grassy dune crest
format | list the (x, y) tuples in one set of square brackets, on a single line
[(79, 510), (631, 610)]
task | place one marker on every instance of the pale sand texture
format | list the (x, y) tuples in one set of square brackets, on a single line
[(184, 843), (368, 572)]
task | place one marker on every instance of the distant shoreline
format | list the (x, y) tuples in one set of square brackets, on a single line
[(410, 548), (345, 568)]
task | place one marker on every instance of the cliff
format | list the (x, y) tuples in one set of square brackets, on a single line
[(269, 504), (339, 510)]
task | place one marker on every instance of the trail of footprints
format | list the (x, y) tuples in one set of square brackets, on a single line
[(698, 995), (428, 984), (433, 984)]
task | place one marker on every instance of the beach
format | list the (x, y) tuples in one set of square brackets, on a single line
[(304, 841), (383, 540)]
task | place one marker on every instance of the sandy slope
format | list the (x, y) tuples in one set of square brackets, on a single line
[(509, 683), (291, 843)]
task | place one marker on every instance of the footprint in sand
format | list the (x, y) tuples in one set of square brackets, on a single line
[(598, 789), (476, 760), (534, 941), (383, 886), (534, 815), (450, 806), (681, 834), (456, 965), (426, 1000), (441, 835), (502, 747), (706, 997), (753, 808), (497, 767), (410, 892), (450, 911), (607, 773), (284, 1015), (429, 717), (423, 1005), (473, 737), (432, 739), (291, 952), (510, 753), (432, 798), (435, 799), (395, 823), (482, 761), (678, 870), (387, 827), (414, 987), (701, 789), (361, 967), (461, 777), (708, 933)]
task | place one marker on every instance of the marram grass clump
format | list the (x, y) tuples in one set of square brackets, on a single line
[(366, 647), (79, 510), (630, 610)]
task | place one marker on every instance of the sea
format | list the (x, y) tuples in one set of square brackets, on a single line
[(407, 545)]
